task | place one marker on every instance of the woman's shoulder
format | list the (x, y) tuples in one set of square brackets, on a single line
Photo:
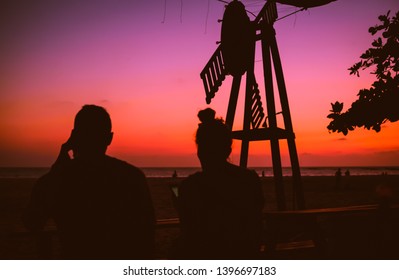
[(192, 179), (190, 186)]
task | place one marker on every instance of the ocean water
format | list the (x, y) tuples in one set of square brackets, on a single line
[(165, 172)]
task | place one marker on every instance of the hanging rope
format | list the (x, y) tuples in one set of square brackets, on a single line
[(207, 16), (293, 13), (164, 12), (226, 2), (181, 11)]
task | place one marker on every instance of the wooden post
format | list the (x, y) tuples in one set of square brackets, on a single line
[(296, 173), (271, 112), (247, 122), (248, 97), (235, 88)]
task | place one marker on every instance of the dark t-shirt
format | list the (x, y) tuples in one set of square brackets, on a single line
[(102, 210), (221, 214)]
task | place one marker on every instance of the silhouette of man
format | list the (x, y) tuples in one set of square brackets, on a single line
[(220, 208), (101, 205)]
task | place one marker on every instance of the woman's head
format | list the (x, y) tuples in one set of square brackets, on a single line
[(213, 138)]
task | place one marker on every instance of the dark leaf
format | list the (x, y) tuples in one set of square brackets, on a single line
[(372, 30), (377, 43), (337, 107)]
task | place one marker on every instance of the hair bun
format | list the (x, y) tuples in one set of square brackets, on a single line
[(207, 115)]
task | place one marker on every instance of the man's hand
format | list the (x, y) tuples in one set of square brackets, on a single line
[(63, 156)]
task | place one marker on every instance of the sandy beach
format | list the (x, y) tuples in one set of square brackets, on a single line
[(320, 192)]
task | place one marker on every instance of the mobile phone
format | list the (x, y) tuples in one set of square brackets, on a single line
[(72, 140), (175, 190)]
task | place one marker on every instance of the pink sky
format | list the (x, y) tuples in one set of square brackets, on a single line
[(59, 55)]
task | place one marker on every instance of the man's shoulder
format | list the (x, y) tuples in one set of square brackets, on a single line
[(242, 171), (123, 167)]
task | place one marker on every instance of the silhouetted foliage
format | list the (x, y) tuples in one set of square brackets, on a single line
[(379, 103)]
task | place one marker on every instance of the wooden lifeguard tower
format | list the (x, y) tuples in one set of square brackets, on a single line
[(236, 56)]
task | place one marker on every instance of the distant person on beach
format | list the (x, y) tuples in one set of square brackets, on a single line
[(174, 175), (220, 207), (338, 176), (101, 205)]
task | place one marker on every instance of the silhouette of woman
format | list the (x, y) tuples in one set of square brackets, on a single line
[(220, 208)]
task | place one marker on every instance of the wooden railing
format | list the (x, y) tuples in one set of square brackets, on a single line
[(213, 74), (257, 113)]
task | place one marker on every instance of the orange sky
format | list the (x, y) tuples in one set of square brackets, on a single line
[(59, 56)]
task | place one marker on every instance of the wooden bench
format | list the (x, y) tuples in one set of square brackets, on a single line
[(284, 231), (302, 229), (44, 239)]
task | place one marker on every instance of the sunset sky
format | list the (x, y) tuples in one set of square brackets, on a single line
[(141, 60)]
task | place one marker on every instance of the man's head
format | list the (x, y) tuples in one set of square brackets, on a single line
[(92, 132)]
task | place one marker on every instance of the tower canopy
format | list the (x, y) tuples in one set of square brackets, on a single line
[(235, 38), (305, 3)]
